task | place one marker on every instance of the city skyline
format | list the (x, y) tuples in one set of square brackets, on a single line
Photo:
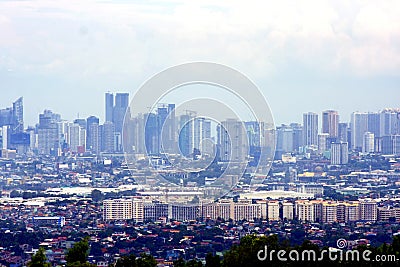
[(31, 120)]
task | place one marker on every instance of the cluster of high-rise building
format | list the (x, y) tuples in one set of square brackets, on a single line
[(161, 131), (322, 211), (367, 132), (53, 135), (12, 126), (164, 132)]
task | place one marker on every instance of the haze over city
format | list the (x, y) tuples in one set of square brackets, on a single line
[(132, 133), (307, 56)]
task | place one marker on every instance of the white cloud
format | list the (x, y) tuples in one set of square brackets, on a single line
[(96, 38)]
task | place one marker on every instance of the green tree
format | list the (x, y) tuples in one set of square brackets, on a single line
[(194, 263), (131, 261), (127, 261), (213, 261), (97, 195), (180, 263), (39, 259), (77, 255), (146, 260)]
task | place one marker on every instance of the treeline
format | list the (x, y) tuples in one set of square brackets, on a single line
[(264, 251), (255, 251)]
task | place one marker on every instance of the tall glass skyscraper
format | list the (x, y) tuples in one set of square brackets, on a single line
[(330, 123), (109, 106), (310, 129)]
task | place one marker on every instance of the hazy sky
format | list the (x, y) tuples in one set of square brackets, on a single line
[(304, 55)]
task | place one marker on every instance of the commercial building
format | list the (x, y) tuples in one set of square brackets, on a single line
[(310, 129), (330, 123)]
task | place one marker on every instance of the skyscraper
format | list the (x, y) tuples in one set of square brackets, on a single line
[(339, 153), (92, 134), (233, 141), (310, 129), (151, 137), (18, 116), (185, 143), (48, 133), (368, 142), (116, 112), (330, 123), (284, 141), (322, 142), (391, 145), (108, 141), (13, 119), (109, 106), (359, 126), (76, 137), (389, 122), (120, 109), (343, 132)]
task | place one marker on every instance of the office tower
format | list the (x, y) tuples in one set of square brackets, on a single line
[(134, 139), (322, 142), (339, 153), (6, 117), (185, 134), (200, 136), (116, 111), (76, 138), (391, 145), (18, 116), (63, 134), (166, 128), (13, 117), (120, 109), (151, 137), (109, 101), (284, 140), (368, 143), (310, 129), (254, 130), (48, 133), (389, 122), (206, 145), (170, 126), (330, 123), (4, 136), (92, 134), (343, 132), (297, 136), (233, 141), (108, 137), (359, 126), (374, 123)]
